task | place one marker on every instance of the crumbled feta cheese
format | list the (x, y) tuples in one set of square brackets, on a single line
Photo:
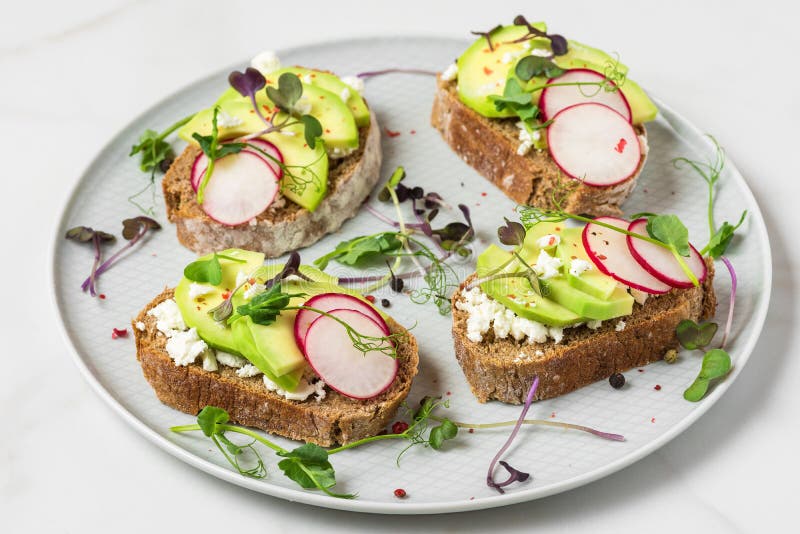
[(345, 94), (303, 390), (450, 72), (168, 317), (535, 332), (546, 265), (548, 241), (225, 120), (337, 152), (502, 321), (508, 57), (288, 133), (140, 326), (541, 52), (593, 325), (620, 326), (557, 333), (266, 62), (354, 82), (639, 296), (303, 105), (523, 148), (241, 277), (254, 290), (230, 360), (307, 79), (578, 266), (247, 371), (210, 361), (198, 290), (185, 347), (485, 313)]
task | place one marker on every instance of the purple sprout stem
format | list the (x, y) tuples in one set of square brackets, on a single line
[(528, 401), (373, 73), (729, 323), (382, 217), (110, 261), (93, 274), (426, 227)]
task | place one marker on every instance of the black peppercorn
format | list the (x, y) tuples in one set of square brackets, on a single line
[(385, 303), (396, 284), (165, 164), (617, 380)]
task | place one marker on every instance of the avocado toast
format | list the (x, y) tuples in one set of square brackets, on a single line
[(283, 157), (272, 362), (509, 107), (571, 306)]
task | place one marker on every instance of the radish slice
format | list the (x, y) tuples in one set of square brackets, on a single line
[(595, 144), (331, 354), (242, 186), (660, 262), (558, 97), (201, 161), (327, 302), (608, 250)]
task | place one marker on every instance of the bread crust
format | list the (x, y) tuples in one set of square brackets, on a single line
[(490, 147), (334, 420), (495, 371), (284, 226)]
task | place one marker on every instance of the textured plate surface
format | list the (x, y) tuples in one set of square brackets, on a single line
[(435, 482)]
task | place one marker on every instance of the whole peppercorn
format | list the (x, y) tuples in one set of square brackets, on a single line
[(617, 380), (396, 284), (399, 427), (671, 356), (385, 303), (165, 164)]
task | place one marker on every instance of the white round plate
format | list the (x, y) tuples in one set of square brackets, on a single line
[(436, 482)]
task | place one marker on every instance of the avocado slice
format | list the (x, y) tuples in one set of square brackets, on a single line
[(592, 281), (195, 310), (307, 166), (248, 347), (334, 84)]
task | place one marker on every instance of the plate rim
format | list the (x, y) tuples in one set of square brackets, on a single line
[(321, 500)]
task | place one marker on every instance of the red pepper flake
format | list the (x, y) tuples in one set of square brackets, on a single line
[(102, 296), (251, 281), (621, 145), (487, 71), (652, 419), (601, 257), (558, 228), (391, 133), (198, 308), (400, 493), (119, 332), (484, 194), (266, 108), (412, 132), (399, 427), (321, 97), (449, 393), (226, 295), (370, 298), (327, 130), (471, 430), (657, 387)]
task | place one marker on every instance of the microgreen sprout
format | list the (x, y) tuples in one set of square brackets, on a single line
[(382, 72), (488, 35), (133, 230), (558, 44), (84, 234)]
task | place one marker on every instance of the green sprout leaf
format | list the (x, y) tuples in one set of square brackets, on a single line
[(308, 465), (265, 307), (205, 271), (695, 336), (288, 92), (361, 249), (153, 148), (312, 130), (716, 364), (210, 418), (531, 66), (671, 231), (722, 238), (439, 434), (516, 99)]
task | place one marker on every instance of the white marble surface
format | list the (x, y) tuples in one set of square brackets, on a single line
[(74, 73)]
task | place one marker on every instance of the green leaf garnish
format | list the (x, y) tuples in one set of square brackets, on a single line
[(716, 364), (694, 336), (210, 418), (204, 271), (308, 465), (722, 238), (288, 92), (439, 434), (671, 231), (210, 145), (265, 307), (312, 130), (360, 249), (532, 66)]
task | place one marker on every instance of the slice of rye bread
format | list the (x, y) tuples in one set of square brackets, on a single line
[(490, 147), (284, 226), (495, 369), (334, 419)]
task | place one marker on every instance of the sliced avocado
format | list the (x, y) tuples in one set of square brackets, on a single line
[(483, 72), (305, 179), (334, 84), (248, 347), (592, 281), (559, 290), (195, 310)]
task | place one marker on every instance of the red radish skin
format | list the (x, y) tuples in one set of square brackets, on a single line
[(330, 352), (594, 144), (608, 250), (327, 302), (660, 262), (201, 161), (242, 186), (558, 97)]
